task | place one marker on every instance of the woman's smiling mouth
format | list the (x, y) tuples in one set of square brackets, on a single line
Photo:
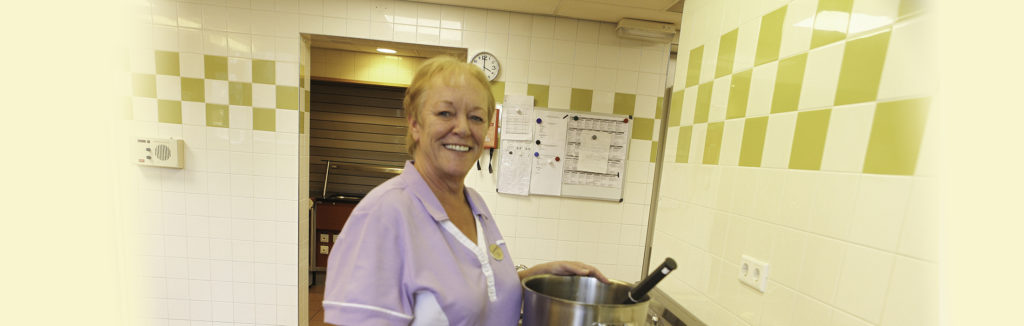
[(457, 148)]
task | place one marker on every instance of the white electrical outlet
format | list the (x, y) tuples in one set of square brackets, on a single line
[(754, 273), (324, 250)]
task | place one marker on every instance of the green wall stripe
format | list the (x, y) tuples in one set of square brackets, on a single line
[(539, 93), (144, 85), (700, 114), (809, 139), (693, 67), (215, 67), (896, 133), (831, 22), (683, 145), (217, 115), (769, 39), (169, 111), (659, 108), (738, 93), (713, 142), (654, 151), (581, 99), (788, 82), (193, 89), (726, 53), (240, 93), (265, 72), (754, 131), (624, 104), (498, 90), (675, 110), (861, 72), (643, 128), (908, 7), (168, 63), (264, 119), (287, 97)]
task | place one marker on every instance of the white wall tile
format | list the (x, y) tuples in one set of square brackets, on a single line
[(214, 18), (847, 141), (833, 202), (358, 28), (475, 20), (778, 140), (626, 81), (863, 282), (822, 264), (313, 24), (797, 27), (497, 21), (452, 17), (762, 86), (910, 61), (881, 207), (168, 87), (558, 97), (821, 76), (520, 24), (380, 30), (603, 102), (732, 138), (406, 13), (336, 8), (565, 29), (913, 295), (719, 98)]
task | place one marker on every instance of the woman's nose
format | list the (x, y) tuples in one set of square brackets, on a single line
[(461, 125)]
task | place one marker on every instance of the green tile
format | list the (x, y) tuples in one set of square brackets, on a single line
[(305, 100), (659, 109), (168, 63), (739, 91), (908, 7), (168, 111), (675, 108), (215, 67), (700, 114), (861, 72), (240, 93), (643, 128), (263, 72), (769, 39), (264, 119), (693, 68), (539, 93), (287, 97), (302, 122), (581, 99), (831, 22), (625, 104), (754, 130), (809, 139), (788, 81), (498, 90), (217, 115), (713, 142), (193, 89), (726, 53), (896, 134), (144, 85), (683, 145), (654, 152)]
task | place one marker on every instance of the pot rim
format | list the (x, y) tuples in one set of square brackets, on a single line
[(643, 300)]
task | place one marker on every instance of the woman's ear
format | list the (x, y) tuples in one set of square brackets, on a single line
[(414, 127)]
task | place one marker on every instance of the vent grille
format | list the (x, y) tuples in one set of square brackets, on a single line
[(162, 152)]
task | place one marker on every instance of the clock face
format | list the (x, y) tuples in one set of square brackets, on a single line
[(488, 63)]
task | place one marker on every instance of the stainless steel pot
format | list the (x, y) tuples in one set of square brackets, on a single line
[(581, 301)]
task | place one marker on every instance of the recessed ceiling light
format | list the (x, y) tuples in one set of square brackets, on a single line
[(383, 50)]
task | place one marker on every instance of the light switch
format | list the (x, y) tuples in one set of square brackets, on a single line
[(324, 250), (324, 237)]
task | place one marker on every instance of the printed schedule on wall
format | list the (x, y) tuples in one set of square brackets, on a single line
[(569, 154)]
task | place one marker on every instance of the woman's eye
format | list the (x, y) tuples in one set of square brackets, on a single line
[(477, 118), (445, 113)]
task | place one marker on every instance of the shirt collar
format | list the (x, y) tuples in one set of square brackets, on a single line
[(422, 191)]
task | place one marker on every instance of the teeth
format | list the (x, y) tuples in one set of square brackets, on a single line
[(459, 148)]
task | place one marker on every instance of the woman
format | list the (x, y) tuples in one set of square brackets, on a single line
[(421, 248)]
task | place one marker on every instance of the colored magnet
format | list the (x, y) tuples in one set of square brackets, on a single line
[(538, 120), (536, 154), (575, 117), (538, 142), (625, 120), (557, 158), (593, 137)]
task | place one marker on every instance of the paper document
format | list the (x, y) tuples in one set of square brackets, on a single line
[(515, 167), (517, 117), (593, 151), (549, 142)]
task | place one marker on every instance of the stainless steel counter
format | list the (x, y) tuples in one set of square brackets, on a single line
[(669, 312)]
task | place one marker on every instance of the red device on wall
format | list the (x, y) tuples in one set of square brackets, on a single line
[(491, 138)]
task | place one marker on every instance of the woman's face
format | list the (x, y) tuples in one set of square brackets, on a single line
[(451, 127)]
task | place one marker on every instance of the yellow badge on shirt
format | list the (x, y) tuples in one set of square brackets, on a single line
[(497, 253)]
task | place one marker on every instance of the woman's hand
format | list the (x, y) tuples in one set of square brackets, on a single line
[(564, 268)]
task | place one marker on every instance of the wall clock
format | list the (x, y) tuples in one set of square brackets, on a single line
[(488, 63)]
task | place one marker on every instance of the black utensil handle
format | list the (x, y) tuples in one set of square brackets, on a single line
[(637, 293)]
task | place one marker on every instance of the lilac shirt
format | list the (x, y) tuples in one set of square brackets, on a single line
[(398, 243)]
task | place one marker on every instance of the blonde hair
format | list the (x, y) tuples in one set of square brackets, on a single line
[(431, 69)]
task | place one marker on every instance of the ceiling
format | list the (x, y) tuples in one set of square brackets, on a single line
[(666, 11)]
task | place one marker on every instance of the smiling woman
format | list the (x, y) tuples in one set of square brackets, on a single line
[(422, 248)]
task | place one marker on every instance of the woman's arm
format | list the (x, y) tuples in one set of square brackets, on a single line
[(564, 268)]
